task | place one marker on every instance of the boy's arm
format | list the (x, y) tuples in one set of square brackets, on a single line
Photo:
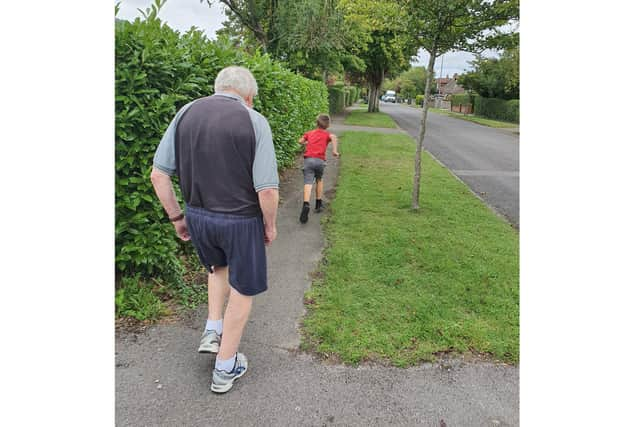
[(303, 139), (334, 141)]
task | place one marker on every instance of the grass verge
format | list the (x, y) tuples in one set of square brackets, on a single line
[(401, 287), (479, 120), (363, 118)]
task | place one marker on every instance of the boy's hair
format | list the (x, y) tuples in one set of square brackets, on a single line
[(323, 121)]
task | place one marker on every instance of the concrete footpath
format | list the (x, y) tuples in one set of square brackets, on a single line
[(161, 380)]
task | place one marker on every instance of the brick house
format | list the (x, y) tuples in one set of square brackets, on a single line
[(449, 86)]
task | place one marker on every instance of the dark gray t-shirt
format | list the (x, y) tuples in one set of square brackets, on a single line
[(222, 152)]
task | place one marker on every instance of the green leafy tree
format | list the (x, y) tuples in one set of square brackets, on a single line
[(441, 26), (307, 35), (495, 77), (384, 43)]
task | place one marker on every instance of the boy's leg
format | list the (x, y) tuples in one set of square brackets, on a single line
[(319, 189), (307, 192), (319, 186), (235, 319)]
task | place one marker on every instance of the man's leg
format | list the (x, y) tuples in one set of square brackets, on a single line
[(235, 319), (218, 291), (230, 364)]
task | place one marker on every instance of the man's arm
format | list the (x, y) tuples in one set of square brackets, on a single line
[(334, 142), (164, 165), (265, 175), (269, 198), (164, 190)]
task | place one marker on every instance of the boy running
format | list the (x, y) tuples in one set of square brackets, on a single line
[(316, 142)]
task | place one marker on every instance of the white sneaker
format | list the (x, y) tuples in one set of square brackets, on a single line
[(222, 381), (209, 342)]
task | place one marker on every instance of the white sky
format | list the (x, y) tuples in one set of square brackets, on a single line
[(183, 14)]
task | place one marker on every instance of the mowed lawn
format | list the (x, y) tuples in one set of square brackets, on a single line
[(401, 287), (476, 119), (362, 118)]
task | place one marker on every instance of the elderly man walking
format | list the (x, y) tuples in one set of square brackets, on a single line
[(222, 152)]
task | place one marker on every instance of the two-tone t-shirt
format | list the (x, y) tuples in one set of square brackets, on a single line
[(222, 152)]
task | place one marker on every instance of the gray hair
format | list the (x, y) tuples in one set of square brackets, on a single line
[(236, 78)]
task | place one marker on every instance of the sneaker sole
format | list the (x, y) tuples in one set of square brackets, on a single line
[(226, 387), (209, 350)]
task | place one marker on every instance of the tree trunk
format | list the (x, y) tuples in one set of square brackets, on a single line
[(423, 128), (373, 96)]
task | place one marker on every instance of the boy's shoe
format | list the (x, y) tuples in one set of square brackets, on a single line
[(304, 215), (319, 206), (222, 381), (209, 342)]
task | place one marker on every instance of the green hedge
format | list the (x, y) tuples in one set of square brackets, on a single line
[(461, 99), (353, 93), (158, 71), (336, 99), (348, 98), (499, 109), (420, 100)]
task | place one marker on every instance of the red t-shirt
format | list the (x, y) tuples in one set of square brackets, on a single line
[(317, 141)]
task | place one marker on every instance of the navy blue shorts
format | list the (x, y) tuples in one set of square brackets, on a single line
[(231, 240)]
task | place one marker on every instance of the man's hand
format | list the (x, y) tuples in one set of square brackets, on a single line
[(181, 229), (269, 235)]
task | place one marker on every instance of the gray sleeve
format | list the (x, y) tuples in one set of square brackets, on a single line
[(165, 157), (265, 166)]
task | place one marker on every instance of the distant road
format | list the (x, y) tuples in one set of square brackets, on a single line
[(485, 158)]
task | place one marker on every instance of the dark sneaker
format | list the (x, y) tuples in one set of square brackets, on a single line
[(209, 342), (319, 207), (304, 215), (222, 381)]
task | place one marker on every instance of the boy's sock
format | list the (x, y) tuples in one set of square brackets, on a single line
[(305, 204), (214, 325), (318, 203), (226, 365)]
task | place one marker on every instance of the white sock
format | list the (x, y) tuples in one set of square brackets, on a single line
[(225, 365), (214, 325)]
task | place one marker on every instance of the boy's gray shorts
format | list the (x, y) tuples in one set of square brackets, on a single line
[(312, 168)]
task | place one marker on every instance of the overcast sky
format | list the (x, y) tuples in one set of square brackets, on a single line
[(183, 14)]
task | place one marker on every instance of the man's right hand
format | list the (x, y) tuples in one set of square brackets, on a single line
[(181, 229), (270, 235)]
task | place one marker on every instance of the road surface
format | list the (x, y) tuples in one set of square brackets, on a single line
[(485, 158)]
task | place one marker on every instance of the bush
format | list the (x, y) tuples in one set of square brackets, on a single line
[(420, 100), (137, 300), (336, 99), (499, 109), (157, 72)]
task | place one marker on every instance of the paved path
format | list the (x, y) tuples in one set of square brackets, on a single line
[(284, 387), (485, 158)]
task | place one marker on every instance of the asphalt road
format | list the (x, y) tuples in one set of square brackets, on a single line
[(161, 380), (485, 158)]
